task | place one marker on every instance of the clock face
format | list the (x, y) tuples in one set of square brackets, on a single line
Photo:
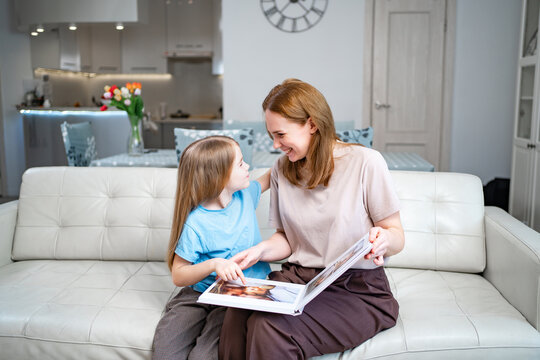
[(294, 15)]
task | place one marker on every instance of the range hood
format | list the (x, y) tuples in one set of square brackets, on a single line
[(33, 12)]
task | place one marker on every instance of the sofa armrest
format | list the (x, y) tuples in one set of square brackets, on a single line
[(8, 218), (513, 262)]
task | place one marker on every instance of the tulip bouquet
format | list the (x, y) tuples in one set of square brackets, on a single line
[(128, 98)]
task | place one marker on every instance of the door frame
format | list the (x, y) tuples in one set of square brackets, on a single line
[(448, 77)]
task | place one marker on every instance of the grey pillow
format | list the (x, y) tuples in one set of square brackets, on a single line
[(244, 137)]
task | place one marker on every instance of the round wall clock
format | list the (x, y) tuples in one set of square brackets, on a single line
[(293, 15)]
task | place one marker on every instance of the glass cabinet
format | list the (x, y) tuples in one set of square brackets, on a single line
[(524, 184)]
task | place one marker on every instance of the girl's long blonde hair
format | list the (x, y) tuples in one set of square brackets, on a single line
[(298, 101), (204, 170)]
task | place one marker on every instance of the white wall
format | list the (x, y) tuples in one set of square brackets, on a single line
[(257, 56), (487, 46), (14, 67)]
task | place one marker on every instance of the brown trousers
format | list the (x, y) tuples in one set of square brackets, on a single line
[(188, 330), (358, 305)]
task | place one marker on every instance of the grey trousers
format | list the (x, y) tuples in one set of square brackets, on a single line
[(188, 330)]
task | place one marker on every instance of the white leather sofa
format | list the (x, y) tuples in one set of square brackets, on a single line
[(82, 275)]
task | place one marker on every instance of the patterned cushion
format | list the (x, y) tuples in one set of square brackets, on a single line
[(79, 142), (263, 142), (244, 137), (357, 136)]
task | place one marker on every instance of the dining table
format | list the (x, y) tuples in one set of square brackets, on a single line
[(149, 158), (167, 158)]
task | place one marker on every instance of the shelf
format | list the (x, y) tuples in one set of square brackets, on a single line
[(528, 60), (526, 98)]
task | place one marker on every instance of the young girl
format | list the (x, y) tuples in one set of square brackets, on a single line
[(214, 218)]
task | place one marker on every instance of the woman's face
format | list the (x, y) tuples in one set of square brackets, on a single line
[(291, 138)]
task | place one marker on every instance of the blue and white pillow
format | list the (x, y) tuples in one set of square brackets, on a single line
[(263, 143), (244, 137), (79, 143), (357, 136)]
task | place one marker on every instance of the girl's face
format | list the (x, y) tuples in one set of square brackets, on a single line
[(291, 138), (239, 178)]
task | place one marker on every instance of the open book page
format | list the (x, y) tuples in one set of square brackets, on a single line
[(257, 294), (336, 268), (282, 297)]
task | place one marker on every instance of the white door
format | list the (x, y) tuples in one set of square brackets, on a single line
[(408, 68)]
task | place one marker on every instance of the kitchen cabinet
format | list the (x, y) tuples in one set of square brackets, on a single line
[(45, 50), (163, 138), (525, 182), (106, 55), (90, 48), (190, 28), (143, 44)]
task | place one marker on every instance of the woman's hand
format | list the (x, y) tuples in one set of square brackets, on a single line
[(379, 245), (248, 257), (274, 248), (387, 238), (228, 270)]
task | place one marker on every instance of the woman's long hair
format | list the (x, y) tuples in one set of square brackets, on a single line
[(203, 172), (298, 101)]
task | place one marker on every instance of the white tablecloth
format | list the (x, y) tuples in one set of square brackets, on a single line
[(159, 158)]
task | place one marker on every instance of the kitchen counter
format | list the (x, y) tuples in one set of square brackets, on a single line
[(66, 109), (165, 139), (43, 139)]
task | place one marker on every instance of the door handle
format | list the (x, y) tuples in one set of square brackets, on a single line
[(379, 105)]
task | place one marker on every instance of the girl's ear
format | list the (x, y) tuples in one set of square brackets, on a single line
[(312, 126)]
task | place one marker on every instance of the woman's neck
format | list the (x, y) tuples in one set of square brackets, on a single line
[(220, 202)]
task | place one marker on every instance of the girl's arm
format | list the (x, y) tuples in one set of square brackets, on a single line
[(185, 273), (387, 237), (275, 248), (264, 180)]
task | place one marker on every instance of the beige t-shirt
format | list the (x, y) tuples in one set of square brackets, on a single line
[(323, 222)]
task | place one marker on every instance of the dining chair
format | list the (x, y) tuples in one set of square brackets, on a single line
[(79, 142)]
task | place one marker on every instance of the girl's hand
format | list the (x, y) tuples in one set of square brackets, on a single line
[(379, 239), (228, 270), (248, 257)]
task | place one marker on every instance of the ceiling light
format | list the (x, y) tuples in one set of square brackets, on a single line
[(40, 28), (72, 27), (34, 33), (119, 26)]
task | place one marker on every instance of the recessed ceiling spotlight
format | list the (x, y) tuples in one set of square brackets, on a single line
[(72, 27), (34, 33), (119, 26), (40, 28)]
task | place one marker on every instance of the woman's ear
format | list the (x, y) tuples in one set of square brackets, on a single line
[(312, 126)]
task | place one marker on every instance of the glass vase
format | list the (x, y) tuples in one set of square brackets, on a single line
[(135, 145)]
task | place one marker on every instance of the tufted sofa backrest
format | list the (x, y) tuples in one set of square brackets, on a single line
[(94, 213), (126, 214), (443, 218)]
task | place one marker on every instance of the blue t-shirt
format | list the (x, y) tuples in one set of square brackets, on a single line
[(223, 233)]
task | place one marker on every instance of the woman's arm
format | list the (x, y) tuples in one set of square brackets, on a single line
[(264, 180), (275, 248), (185, 273), (387, 237)]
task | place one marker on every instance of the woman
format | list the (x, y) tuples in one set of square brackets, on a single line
[(325, 196)]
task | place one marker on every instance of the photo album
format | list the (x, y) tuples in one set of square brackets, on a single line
[(282, 297)]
